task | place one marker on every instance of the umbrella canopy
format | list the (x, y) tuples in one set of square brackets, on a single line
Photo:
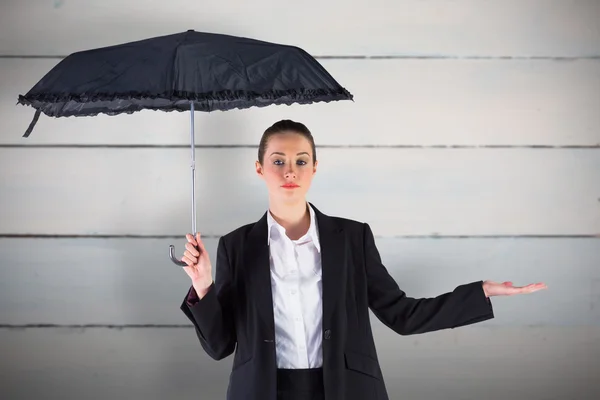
[(214, 71), (180, 72)]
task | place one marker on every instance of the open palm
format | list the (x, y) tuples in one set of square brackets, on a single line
[(492, 288)]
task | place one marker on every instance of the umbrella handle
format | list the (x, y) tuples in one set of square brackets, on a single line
[(173, 258)]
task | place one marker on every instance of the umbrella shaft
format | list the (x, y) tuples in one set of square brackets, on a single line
[(193, 166)]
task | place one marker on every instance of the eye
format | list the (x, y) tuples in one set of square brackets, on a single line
[(278, 162), (301, 162)]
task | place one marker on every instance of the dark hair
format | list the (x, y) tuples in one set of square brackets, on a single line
[(285, 125)]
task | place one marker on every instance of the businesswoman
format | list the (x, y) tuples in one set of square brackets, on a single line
[(292, 292)]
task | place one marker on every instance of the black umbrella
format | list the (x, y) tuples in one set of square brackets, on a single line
[(180, 72)]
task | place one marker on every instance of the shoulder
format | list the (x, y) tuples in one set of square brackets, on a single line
[(238, 233), (348, 225)]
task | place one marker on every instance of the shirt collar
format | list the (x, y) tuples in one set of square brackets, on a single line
[(313, 231)]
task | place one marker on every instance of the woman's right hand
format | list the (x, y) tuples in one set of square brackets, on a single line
[(198, 264)]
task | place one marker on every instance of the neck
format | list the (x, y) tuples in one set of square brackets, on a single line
[(294, 217)]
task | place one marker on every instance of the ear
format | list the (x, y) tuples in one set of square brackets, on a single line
[(259, 169), (315, 167)]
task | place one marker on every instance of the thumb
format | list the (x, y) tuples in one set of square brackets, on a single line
[(199, 241)]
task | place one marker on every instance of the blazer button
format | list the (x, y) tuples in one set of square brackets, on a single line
[(327, 334)]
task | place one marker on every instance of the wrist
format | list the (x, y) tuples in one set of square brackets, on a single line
[(202, 287), (485, 289)]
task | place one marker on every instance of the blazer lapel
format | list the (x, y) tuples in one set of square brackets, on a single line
[(333, 262), (258, 275)]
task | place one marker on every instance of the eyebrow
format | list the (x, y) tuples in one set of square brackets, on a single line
[(283, 154)]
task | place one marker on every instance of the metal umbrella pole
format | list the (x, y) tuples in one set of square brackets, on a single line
[(193, 166)]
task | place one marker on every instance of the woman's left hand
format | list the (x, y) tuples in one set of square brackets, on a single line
[(491, 288)]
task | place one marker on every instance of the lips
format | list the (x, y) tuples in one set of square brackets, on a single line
[(290, 186)]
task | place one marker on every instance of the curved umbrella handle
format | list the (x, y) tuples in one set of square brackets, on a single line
[(173, 258)]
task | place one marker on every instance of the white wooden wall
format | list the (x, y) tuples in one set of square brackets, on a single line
[(472, 148)]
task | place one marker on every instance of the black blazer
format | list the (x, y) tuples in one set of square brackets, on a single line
[(237, 312)]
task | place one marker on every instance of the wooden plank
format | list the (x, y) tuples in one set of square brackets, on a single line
[(397, 191), (380, 27), (132, 281), (492, 363), (397, 102)]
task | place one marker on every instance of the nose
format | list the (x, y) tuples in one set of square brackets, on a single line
[(290, 172)]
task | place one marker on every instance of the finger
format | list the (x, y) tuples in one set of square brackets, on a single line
[(190, 261), (200, 247), (538, 286), (192, 249), (190, 239), (192, 258), (533, 287), (200, 243), (187, 260)]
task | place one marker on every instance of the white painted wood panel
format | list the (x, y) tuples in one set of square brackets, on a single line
[(397, 191), (492, 363), (378, 27), (397, 102), (462, 73), (133, 281)]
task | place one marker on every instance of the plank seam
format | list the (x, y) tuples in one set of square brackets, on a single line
[(376, 57), (326, 146), (216, 236), (87, 326)]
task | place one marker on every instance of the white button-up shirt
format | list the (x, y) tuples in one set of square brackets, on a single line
[(297, 289)]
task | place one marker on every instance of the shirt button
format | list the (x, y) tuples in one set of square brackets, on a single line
[(294, 291), (327, 334)]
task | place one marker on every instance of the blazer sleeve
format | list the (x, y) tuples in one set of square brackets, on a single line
[(465, 305), (212, 315)]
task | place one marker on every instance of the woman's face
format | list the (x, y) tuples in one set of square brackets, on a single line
[(287, 167)]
